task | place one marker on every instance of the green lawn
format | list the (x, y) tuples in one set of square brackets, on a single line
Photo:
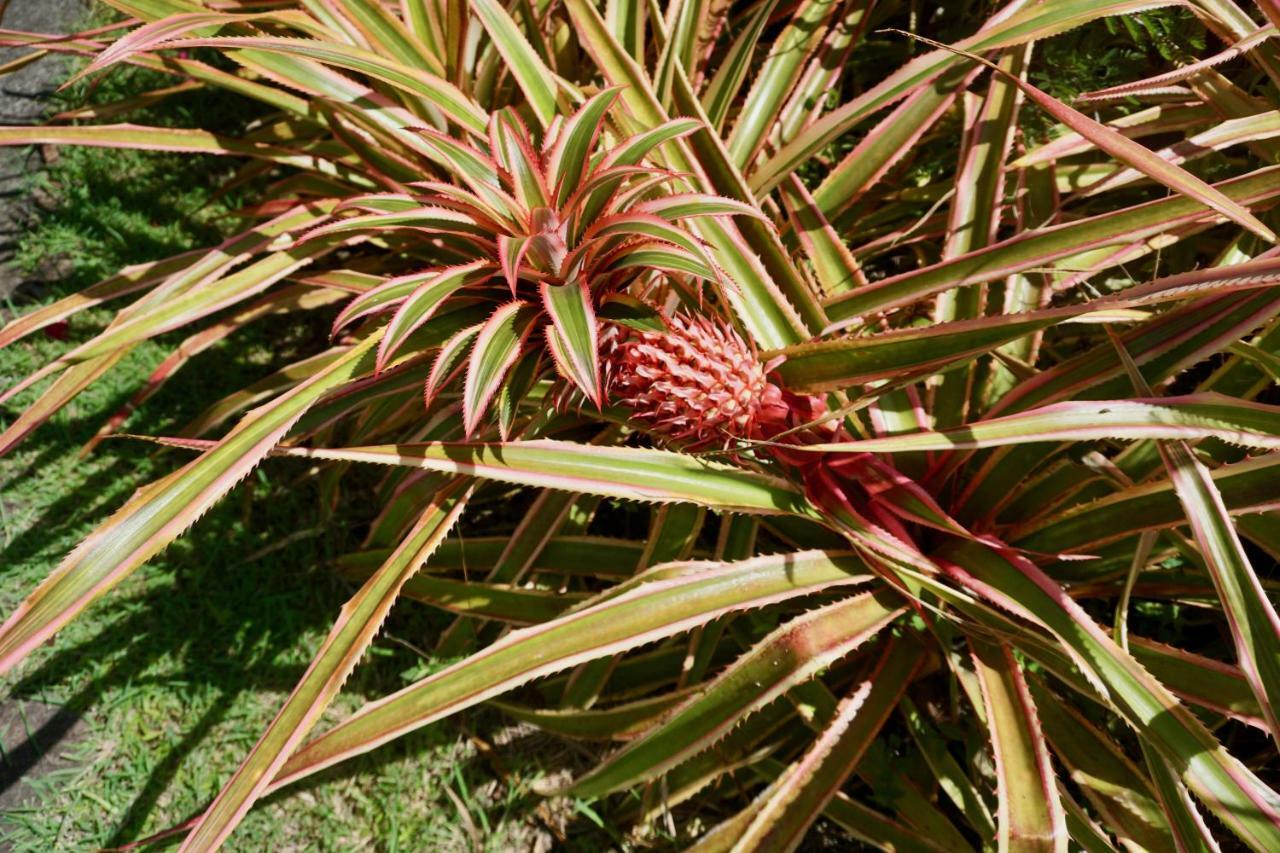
[(175, 674)]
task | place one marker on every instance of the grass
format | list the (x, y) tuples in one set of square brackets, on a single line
[(175, 674)]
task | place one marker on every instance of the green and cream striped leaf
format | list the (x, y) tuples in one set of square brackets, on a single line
[(1029, 816), (1255, 625), (430, 290), (1111, 783), (1226, 787), (494, 352), (1030, 22), (650, 612), (1194, 416), (161, 511), (790, 655), (350, 636), (531, 73), (626, 473), (784, 813), (574, 336)]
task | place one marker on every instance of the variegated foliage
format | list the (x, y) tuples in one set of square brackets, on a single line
[(1031, 397)]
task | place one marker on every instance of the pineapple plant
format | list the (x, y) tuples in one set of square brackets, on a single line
[(939, 423)]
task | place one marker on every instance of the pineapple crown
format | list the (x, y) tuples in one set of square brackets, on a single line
[(545, 229)]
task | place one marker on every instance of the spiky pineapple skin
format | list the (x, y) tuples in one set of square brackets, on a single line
[(699, 383)]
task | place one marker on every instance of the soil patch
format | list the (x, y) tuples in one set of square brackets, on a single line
[(24, 99)]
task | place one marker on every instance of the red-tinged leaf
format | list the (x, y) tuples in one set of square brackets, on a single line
[(722, 91), (440, 93), (574, 336), (477, 170), (432, 289), (653, 255), (845, 362), (624, 228), (685, 205), (515, 605), (776, 77), (379, 298), (496, 348), (513, 149), (1110, 781), (1193, 416), (350, 636), (599, 192), (161, 511), (1245, 130), (651, 611), (1029, 815), (1166, 344), (1015, 24), (892, 138), (791, 804), (626, 310), (497, 212), (790, 655), (573, 145), (294, 298), (1041, 247), (1255, 625), (144, 138), (1202, 681), (618, 722), (511, 252), (872, 827), (1083, 528), (62, 391), (1126, 150), (1228, 788), (449, 361), (633, 150), (953, 779), (1161, 118), (433, 220), (1191, 69), (131, 279), (139, 318), (152, 36), (260, 391), (161, 315), (834, 266), (628, 473), (520, 381), (769, 316)]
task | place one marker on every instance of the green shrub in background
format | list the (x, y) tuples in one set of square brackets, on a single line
[(949, 398)]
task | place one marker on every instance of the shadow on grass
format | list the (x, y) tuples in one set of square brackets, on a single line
[(199, 622)]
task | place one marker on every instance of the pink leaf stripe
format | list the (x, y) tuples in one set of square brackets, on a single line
[(1186, 71), (1125, 149), (651, 611), (1029, 810), (628, 473), (1193, 416), (354, 630), (797, 798), (161, 511)]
